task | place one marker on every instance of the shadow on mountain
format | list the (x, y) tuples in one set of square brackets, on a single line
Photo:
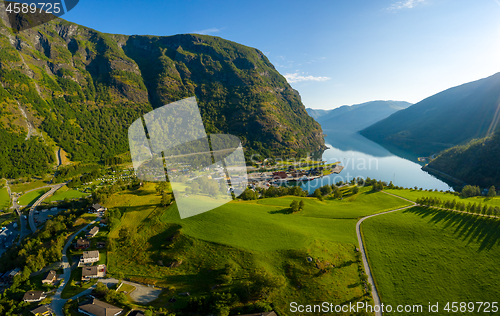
[(471, 228), (350, 140)]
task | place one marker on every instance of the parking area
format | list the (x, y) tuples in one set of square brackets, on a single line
[(42, 215), (8, 235)]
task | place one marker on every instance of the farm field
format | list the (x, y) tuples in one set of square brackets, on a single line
[(412, 195), (23, 187), (251, 235), (423, 255), (4, 199), (31, 197), (64, 193)]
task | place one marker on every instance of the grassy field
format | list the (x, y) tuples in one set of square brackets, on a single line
[(23, 187), (424, 255), (250, 235), (64, 193), (31, 197), (4, 199), (75, 285), (412, 195)]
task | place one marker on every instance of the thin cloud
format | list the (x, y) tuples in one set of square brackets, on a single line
[(208, 31), (406, 4), (296, 77)]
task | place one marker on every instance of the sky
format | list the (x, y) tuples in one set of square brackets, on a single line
[(333, 52)]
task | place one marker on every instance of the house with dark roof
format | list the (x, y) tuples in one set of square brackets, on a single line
[(9, 276), (42, 311), (82, 243), (50, 278), (93, 272), (96, 208), (34, 296), (95, 307), (280, 175), (89, 257), (93, 232)]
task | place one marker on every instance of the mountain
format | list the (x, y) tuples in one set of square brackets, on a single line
[(449, 118), (62, 84), (316, 114), (475, 162), (356, 117)]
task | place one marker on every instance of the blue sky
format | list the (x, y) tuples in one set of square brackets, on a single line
[(333, 52)]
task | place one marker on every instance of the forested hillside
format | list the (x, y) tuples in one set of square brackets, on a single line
[(475, 163), (68, 85), (449, 118)]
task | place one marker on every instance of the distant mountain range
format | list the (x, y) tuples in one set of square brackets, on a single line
[(449, 118), (66, 85), (356, 117)]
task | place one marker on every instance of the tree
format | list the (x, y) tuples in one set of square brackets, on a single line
[(294, 206), (166, 199), (355, 190), (492, 192), (338, 194), (325, 190), (161, 187), (248, 194), (317, 194), (301, 205), (101, 289)]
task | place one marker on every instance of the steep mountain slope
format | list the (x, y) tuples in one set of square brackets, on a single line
[(356, 117), (80, 89), (446, 119), (475, 163)]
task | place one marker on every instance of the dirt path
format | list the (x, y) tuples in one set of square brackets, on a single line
[(376, 297)]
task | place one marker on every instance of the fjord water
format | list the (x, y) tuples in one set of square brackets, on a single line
[(364, 158)]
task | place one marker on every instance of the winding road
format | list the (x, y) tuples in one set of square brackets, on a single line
[(376, 297), (39, 201), (58, 302)]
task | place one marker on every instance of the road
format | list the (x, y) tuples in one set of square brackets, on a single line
[(57, 302), (40, 200), (376, 297)]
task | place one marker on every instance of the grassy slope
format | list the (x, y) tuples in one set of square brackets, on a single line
[(23, 187), (31, 197), (251, 234), (4, 199), (414, 194), (66, 192), (423, 255)]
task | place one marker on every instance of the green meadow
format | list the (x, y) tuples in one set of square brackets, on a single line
[(248, 235), (64, 193), (423, 255), (31, 197), (23, 187), (4, 199)]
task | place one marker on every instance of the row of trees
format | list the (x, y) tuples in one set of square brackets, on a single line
[(271, 192), (476, 208), (469, 191)]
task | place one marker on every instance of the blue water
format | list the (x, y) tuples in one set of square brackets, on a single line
[(363, 158)]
